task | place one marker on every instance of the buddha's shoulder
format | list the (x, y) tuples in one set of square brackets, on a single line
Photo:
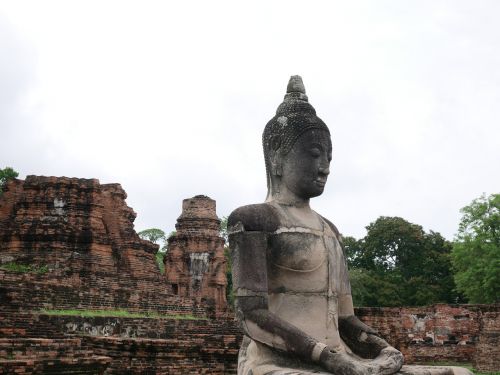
[(333, 228), (254, 217)]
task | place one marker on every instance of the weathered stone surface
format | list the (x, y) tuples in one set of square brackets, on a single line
[(195, 265)]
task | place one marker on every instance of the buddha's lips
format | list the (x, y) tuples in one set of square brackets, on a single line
[(320, 182)]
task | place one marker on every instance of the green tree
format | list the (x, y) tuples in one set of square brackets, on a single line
[(227, 254), (397, 263), (154, 235), (353, 249), (371, 289), (6, 174), (158, 237), (476, 251)]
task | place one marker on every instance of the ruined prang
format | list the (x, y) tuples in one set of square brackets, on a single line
[(75, 243), (195, 265)]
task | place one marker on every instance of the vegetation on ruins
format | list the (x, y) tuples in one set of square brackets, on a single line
[(476, 251), (158, 237), (6, 174), (120, 314), (229, 268), (25, 268), (397, 264), (154, 235)]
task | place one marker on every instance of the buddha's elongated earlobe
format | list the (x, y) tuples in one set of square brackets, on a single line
[(276, 169)]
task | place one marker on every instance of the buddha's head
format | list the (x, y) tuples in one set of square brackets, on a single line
[(297, 147)]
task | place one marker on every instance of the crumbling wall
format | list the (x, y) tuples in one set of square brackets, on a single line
[(76, 243), (441, 333), (487, 355)]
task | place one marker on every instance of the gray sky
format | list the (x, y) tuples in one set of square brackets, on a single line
[(170, 100)]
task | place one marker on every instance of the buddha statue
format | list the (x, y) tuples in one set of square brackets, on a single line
[(290, 279)]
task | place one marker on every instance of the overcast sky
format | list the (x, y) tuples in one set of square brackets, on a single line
[(170, 99)]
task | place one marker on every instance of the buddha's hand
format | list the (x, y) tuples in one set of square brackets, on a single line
[(344, 364), (389, 360)]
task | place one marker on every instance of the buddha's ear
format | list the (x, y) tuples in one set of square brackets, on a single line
[(275, 155)]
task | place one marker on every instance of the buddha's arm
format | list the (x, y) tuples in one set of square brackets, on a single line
[(251, 299), (365, 341), (353, 331), (362, 339)]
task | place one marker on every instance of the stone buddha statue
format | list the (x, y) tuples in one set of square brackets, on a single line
[(290, 279)]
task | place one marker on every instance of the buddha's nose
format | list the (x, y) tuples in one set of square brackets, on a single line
[(324, 170)]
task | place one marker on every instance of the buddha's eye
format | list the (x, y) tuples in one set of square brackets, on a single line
[(315, 152)]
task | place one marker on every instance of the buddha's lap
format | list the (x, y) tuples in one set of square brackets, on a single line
[(259, 359)]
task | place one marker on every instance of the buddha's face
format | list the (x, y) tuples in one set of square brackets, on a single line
[(306, 167)]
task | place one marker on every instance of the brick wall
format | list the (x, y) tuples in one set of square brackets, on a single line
[(49, 356), (141, 344), (126, 345), (487, 355), (458, 333)]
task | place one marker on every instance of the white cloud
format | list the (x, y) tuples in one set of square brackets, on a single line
[(170, 100)]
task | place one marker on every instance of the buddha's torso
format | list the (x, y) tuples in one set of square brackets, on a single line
[(306, 273)]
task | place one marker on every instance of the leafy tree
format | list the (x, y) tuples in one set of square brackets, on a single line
[(6, 174), (158, 237), (223, 228), (476, 252), (154, 235), (354, 252), (227, 254), (371, 289), (397, 263)]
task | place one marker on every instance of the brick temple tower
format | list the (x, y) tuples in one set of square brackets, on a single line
[(195, 265)]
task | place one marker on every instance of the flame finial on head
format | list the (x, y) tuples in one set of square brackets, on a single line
[(295, 85), (295, 90)]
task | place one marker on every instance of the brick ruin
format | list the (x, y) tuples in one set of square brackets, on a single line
[(195, 265), (441, 333), (68, 243), (76, 241), (80, 237)]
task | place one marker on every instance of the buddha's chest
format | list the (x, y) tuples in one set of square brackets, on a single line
[(300, 261), (297, 251)]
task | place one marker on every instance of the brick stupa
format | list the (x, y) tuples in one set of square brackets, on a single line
[(195, 265)]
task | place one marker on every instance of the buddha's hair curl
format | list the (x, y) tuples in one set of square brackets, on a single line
[(293, 117)]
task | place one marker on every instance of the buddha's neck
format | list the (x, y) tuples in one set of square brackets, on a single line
[(279, 193), (287, 198), (297, 203)]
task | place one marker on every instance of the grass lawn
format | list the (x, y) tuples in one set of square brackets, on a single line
[(119, 314)]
